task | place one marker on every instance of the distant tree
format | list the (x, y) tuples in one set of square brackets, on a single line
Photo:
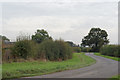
[(95, 39), (70, 43), (40, 36), (4, 38)]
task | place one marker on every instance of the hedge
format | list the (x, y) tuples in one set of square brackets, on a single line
[(111, 50)]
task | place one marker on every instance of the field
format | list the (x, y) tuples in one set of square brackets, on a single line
[(22, 69), (113, 58)]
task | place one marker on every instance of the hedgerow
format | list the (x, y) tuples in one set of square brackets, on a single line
[(54, 50), (110, 50)]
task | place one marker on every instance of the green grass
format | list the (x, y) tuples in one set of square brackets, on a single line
[(22, 69), (113, 58), (0, 71), (115, 77)]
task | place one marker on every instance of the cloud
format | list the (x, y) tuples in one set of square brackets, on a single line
[(12, 10), (68, 20), (66, 27), (53, 23), (59, 1)]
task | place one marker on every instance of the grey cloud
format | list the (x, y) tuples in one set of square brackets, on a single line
[(53, 9), (70, 21)]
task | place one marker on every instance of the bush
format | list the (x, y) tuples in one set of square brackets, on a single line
[(47, 50), (23, 49), (110, 50), (54, 50), (65, 50), (85, 49), (77, 49)]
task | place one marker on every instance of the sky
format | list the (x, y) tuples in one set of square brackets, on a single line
[(66, 19)]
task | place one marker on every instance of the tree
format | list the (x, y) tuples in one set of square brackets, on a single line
[(70, 43), (40, 36), (4, 38), (95, 39)]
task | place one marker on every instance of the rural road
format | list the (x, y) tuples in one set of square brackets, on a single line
[(103, 68)]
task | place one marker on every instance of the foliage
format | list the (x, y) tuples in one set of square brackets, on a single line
[(85, 49), (24, 48), (0, 45), (23, 36), (4, 38), (109, 57), (77, 49), (22, 69), (116, 77), (110, 50), (95, 39), (54, 50), (48, 50), (40, 36), (70, 43), (65, 50), (21, 49)]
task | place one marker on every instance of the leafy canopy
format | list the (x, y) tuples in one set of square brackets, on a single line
[(40, 36), (4, 38), (95, 39)]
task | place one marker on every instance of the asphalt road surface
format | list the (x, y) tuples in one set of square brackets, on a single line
[(103, 68)]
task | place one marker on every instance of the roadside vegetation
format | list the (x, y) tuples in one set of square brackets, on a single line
[(109, 57), (115, 77), (22, 69), (41, 54), (39, 46), (110, 51)]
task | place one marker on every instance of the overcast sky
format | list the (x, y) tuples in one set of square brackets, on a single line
[(66, 19)]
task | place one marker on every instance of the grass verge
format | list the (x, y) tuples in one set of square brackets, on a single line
[(22, 69), (113, 58), (115, 77), (109, 57), (0, 71)]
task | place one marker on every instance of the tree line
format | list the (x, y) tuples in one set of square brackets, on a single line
[(40, 46)]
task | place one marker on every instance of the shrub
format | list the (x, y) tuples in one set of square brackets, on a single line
[(77, 49), (47, 50), (34, 49), (65, 50), (54, 50), (22, 49), (110, 50), (85, 49)]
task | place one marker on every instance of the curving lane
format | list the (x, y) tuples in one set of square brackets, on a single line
[(103, 68)]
